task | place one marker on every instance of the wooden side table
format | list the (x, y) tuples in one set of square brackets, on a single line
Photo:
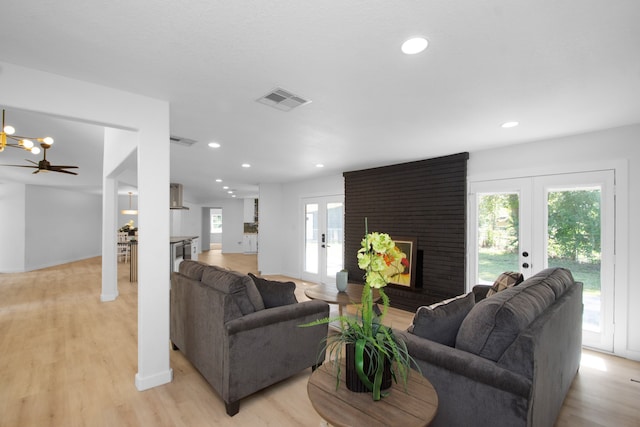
[(415, 407), (329, 294)]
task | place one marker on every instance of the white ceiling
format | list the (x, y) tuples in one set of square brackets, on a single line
[(559, 67)]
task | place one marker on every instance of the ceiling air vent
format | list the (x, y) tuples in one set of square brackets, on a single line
[(185, 142), (282, 100)]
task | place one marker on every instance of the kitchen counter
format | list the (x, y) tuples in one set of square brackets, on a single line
[(183, 247), (178, 239)]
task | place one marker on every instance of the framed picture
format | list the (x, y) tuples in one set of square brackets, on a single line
[(403, 272)]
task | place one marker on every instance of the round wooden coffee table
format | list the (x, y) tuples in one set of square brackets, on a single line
[(330, 294), (415, 407)]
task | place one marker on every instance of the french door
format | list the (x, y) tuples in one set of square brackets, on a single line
[(323, 238), (567, 220)]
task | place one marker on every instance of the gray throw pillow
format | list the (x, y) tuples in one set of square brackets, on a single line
[(274, 293), (440, 322)]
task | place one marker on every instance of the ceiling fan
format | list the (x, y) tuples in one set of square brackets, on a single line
[(7, 134), (45, 165)]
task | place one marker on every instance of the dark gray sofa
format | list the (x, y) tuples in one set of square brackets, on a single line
[(515, 355), (220, 323)]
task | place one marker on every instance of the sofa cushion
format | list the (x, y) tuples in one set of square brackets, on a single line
[(494, 323), (274, 293), (504, 281), (192, 269), (557, 278), (440, 322), (239, 286)]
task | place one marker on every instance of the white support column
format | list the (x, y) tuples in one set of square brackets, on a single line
[(153, 253), (147, 120), (109, 240)]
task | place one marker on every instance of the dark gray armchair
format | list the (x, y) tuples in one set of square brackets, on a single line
[(218, 321)]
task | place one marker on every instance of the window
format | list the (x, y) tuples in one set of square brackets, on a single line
[(216, 223)]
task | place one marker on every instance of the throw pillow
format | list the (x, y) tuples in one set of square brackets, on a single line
[(274, 293), (504, 281), (440, 322)]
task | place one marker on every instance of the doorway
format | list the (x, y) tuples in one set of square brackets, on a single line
[(323, 238), (564, 220), (215, 229)]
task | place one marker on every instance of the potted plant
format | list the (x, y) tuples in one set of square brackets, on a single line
[(369, 344)]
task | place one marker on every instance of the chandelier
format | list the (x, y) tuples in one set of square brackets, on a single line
[(7, 136), (129, 211)]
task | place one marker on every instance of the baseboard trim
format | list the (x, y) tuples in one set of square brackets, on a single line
[(153, 380), (108, 297)]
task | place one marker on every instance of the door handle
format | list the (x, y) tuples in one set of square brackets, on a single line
[(525, 265)]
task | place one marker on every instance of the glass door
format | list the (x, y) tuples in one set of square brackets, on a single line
[(323, 238), (502, 237), (576, 216), (530, 224)]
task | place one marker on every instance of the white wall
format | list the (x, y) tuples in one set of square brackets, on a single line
[(233, 226), (273, 231), (48, 227), (186, 222), (620, 146), (62, 226), (289, 218), (189, 222), (12, 227)]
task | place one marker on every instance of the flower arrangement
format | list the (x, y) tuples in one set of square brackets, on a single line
[(373, 341)]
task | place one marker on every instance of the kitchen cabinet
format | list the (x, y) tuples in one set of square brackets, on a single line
[(250, 210), (195, 248), (250, 243)]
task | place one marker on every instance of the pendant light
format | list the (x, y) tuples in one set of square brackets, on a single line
[(129, 211)]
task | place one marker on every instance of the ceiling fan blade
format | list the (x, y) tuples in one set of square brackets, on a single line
[(31, 161), (65, 167), (63, 171), (22, 166)]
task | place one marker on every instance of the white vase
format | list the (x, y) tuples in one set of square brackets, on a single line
[(341, 280)]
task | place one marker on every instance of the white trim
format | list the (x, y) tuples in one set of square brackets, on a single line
[(549, 170), (155, 380)]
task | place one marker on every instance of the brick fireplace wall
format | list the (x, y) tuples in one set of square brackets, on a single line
[(424, 199)]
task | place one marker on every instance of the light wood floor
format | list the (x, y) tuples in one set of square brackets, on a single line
[(67, 359)]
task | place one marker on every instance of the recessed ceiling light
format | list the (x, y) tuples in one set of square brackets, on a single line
[(226, 187), (509, 125), (319, 165), (414, 45), (233, 195), (246, 165), (230, 192), (218, 180), (214, 145)]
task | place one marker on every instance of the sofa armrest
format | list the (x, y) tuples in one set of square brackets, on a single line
[(480, 292), (465, 364), (269, 345), (269, 316)]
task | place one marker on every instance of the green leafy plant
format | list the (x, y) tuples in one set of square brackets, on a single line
[(373, 341)]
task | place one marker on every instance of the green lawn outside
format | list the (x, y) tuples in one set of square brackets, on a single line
[(491, 265)]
